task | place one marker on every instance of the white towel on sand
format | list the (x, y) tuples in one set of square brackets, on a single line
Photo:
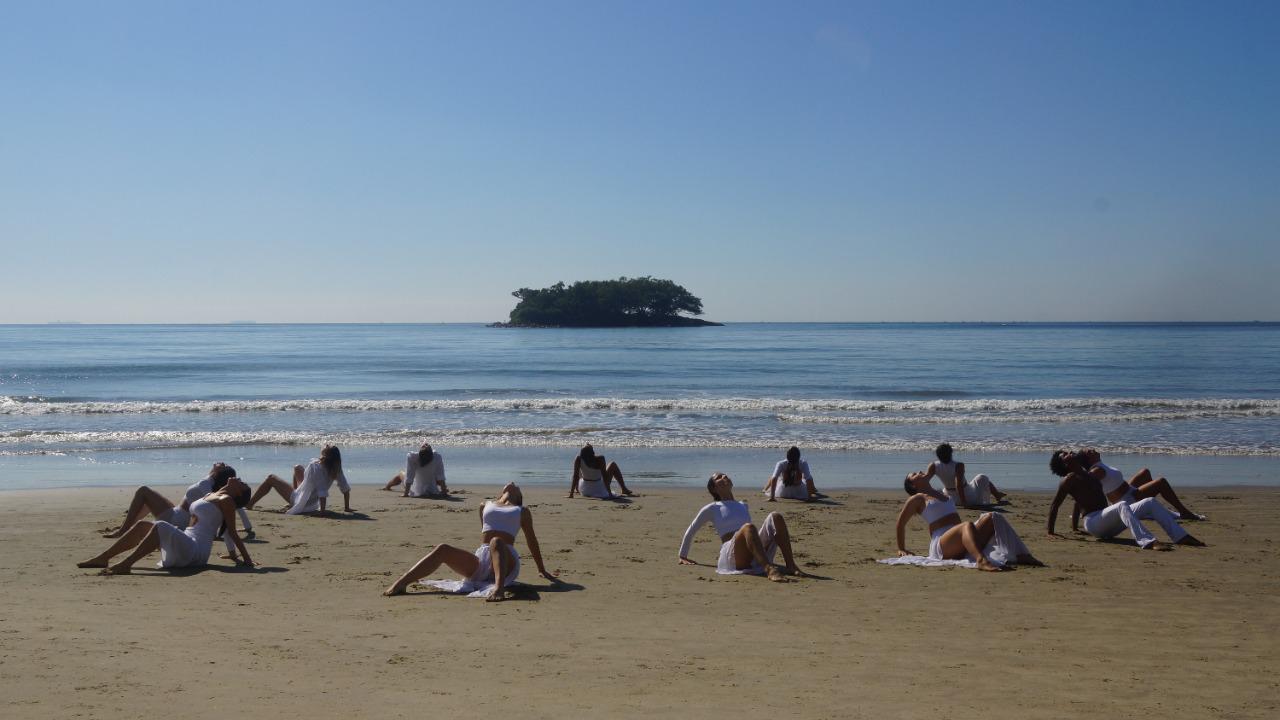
[(922, 561)]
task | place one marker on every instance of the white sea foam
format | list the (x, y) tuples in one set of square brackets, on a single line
[(1209, 407)]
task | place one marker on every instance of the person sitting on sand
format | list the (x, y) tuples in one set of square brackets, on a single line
[(309, 492), (496, 561), (423, 475), (744, 548), (1103, 519), (791, 478), (967, 493), (991, 542), (592, 475), (145, 500), (1139, 487), (188, 546)]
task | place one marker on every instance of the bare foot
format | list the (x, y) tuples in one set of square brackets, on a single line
[(95, 563), (985, 564), (1191, 541), (1187, 517), (1157, 545), (112, 534), (498, 595), (115, 570), (394, 588), (774, 574)]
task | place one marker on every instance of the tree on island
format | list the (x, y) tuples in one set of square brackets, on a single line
[(625, 302)]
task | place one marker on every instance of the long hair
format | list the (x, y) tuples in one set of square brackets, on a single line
[(792, 476), (221, 476), (906, 485), (588, 455), (331, 459), (241, 499), (711, 485), (425, 455)]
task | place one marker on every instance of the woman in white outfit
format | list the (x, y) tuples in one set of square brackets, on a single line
[(592, 474), (309, 492), (744, 548), (967, 493), (501, 521), (188, 546), (991, 542), (145, 500), (423, 474), (1139, 487), (791, 479)]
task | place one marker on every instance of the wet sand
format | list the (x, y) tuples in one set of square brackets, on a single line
[(1106, 630)]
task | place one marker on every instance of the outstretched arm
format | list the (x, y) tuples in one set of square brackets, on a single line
[(345, 487), (410, 471), (909, 508), (573, 477), (1053, 508), (526, 524), (703, 516), (1075, 516), (228, 508), (964, 502)]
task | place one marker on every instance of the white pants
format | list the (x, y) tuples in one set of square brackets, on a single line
[(1114, 519), (727, 564), (977, 491)]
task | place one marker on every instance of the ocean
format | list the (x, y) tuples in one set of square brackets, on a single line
[(122, 404)]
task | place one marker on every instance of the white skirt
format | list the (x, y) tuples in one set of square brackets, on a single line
[(1003, 549), (593, 488), (727, 564), (480, 584), (180, 549), (791, 492)]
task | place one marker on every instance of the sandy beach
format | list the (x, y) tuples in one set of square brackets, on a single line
[(1105, 630)]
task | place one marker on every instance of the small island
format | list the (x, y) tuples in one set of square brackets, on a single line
[(625, 302)]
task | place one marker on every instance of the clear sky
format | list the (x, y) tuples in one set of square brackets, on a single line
[(418, 161)]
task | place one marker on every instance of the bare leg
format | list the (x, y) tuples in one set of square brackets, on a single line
[(458, 560), (394, 481), (782, 536), (747, 547), (501, 561), (272, 482), (150, 543), (1163, 489), (144, 500), (615, 472), (813, 489), (131, 538), (966, 540)]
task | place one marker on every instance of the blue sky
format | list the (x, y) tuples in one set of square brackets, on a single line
[(345, 162)]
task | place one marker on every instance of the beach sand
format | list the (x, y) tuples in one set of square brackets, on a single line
[(1106, 630)]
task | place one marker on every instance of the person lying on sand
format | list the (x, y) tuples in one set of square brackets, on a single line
[(500, 521), (423, 475), (744, 549), (187, 546), (309, 492), (145, 500), (592, 475), (991, 542), (1103, 519), (1138, 487), (791, 479), (968, 493)]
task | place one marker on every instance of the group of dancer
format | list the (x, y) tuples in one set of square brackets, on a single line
[(1107, 504)]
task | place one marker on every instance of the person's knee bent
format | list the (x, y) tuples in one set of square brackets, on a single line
[(779, 522)]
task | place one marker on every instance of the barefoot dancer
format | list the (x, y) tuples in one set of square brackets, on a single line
[(145, 500), (991, 541), (1106, 520), (791, 479), (1139, 487), (496, 561), (967, 493), (310, 490), (592, 475), (182, 547), (744, 549), (423, 475)]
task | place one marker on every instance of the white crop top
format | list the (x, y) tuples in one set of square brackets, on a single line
[(1113, 479), (935, 510), (501, 518), (727, 516)]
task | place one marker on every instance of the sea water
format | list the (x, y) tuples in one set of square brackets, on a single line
[(120, 404)]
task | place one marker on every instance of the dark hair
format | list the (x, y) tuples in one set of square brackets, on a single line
[(331, 459), (221, 476), (906, 485), (587, 453), (792, 476), (943, 452), (711, 486), (425, 454), (241, 500), (1058, 463)]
